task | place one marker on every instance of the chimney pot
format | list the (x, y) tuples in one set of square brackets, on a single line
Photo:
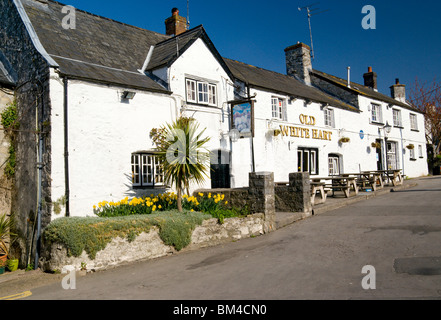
[(370, 79), (398, 91), (176, 24)]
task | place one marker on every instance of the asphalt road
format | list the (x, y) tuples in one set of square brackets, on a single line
[(322, 257)]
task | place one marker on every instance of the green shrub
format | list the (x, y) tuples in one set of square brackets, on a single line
[(92, 234)]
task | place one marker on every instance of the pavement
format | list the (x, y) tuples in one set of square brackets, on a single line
[(19, 284), (284, 219)]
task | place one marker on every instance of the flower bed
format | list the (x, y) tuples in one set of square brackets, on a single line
[(212, 204)]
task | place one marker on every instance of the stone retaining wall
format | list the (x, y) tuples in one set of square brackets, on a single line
[(150, 246)]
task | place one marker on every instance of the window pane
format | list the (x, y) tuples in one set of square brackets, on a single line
[(135, 170), (413, 122), (191, 91), (274, 107), (212, 95), (313, 162), (305, 161), (203, 92), (397, 118), (334, 166), (374, 113)]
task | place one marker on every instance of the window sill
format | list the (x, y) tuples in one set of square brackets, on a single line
[(399, 127), (415, 130), (377, 123), (201, 105), (413, 159), (157, 187)]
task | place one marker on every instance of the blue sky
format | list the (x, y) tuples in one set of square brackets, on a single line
[(406, 43)]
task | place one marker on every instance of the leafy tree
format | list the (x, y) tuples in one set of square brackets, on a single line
[(427, 98), (182, 153)]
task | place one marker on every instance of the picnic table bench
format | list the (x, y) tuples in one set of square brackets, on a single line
[(393, 176), (318, 188), (367, 179), (335, 183)]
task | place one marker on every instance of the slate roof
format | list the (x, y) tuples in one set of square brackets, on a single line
[(361, 89), (168, 51), (4, 80), (104, 50), (277, 82), (99, 49)]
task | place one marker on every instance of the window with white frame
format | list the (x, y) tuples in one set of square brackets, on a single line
[(329, 117), (413, 122), (146, 170), (412, 154), (278, 107), (307, 160), (212, 92), (191, 91), (420, 151), (334, 165), (376, 113), (397, 118), (201, 92)]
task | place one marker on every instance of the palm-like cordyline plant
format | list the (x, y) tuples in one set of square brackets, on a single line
[(182, 153), (6, 225)]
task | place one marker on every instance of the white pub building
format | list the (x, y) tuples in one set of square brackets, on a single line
[(106, 85)]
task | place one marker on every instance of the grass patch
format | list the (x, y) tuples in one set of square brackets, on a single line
[(92, 234)]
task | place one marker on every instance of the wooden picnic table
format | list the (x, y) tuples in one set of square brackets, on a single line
[(343, 183), (365, 179), (393, 175)]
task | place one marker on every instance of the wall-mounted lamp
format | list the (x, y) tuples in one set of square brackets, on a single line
[(387, 128), (234, 135), (128, 95)]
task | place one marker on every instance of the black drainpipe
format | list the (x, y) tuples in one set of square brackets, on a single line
[(66, 147)]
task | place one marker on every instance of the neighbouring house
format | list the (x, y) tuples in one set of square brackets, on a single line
[(88, 98)]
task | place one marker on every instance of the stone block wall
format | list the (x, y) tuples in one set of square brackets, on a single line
[(150, 246), (342, 93), (259, 197), (294, 196), (32, 95)]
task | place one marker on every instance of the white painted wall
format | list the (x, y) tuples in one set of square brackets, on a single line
[(279, 154), (198, 63), (103, 133)]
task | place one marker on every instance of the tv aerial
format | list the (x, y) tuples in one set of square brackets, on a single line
[(188, 14), (311, 12)]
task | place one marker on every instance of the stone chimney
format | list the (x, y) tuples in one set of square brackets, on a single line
[(298, 62), (176, 24), (398, 91), (370, 79)]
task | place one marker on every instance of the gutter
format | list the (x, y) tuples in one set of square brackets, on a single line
[(66, 146)]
